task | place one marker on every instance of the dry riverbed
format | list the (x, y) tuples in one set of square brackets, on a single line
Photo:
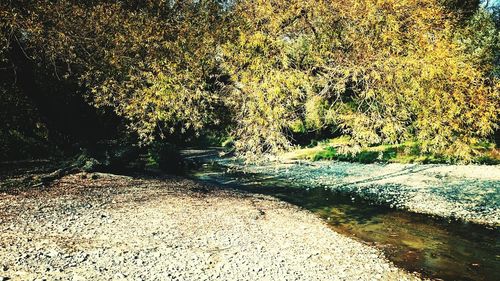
[(107, 227)]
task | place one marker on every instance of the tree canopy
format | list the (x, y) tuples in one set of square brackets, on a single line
[(382, 71)]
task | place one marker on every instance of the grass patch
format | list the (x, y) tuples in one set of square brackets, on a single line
[(406, 153)]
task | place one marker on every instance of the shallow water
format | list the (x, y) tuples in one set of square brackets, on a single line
[(434, 247)]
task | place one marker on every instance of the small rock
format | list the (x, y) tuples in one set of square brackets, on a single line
[(52, 253), (78, 278), (119, 275)]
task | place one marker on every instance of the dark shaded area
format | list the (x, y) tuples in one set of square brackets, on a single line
[(463, 8), (36, 98), (47, 117), (310, 138)]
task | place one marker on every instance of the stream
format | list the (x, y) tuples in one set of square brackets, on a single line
[(432, 246)]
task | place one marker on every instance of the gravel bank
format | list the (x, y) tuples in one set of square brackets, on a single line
[(118, 228), (465, 192)]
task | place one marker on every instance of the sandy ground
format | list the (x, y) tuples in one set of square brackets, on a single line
[(105, 227)]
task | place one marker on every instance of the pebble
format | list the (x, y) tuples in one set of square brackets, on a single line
[(78, 278)]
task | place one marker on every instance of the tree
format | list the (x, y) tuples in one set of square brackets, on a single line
[(385, 71), (380, 71), (151, 62)]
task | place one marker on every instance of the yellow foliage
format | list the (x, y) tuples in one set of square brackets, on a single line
[(381, 71), (388, 71)]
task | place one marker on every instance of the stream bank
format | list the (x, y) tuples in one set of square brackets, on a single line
[(470, 193), (437, 246)]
